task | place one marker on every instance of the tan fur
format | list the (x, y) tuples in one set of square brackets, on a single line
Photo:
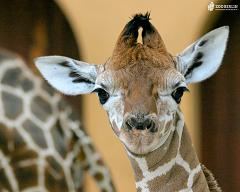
[(176, 179)]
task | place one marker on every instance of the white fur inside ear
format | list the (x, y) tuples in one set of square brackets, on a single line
[(201, 60), (68, 76)]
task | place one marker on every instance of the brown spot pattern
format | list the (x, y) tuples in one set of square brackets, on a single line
[(4, 139), (137, 171), (161, 156), (26, 176), (13, 105), (54, 165), (41, 108), (26, 84), (12, 77), (35, 132), (170, 181), (187, 152), (59, 141), (48, 88), (53, 184), (199, 183)]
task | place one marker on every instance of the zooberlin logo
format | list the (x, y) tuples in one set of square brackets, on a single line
[(221, 7)]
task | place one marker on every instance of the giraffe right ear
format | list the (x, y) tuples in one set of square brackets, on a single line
[(67, 75), (202, 59)]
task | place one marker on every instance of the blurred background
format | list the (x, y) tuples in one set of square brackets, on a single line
[(87, 30)]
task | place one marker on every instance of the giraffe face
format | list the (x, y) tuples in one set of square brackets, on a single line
[(141, 85), (141, 103)]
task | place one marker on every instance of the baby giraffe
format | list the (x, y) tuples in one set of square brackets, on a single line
[(140, 87)]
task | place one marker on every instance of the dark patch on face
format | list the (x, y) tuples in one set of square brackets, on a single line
[(36, 133), (26, 176), (13, 105), (12, 77), (202, 43), (41, 108)]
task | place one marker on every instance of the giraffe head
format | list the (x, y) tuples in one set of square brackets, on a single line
[(141, 85)]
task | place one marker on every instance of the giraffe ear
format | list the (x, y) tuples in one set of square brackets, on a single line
[(67, 75), (202, 59)]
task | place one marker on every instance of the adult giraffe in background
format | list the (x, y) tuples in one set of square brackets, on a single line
[(43, 147), (140, 87)]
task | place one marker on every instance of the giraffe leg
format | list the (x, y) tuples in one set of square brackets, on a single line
[(93, 163), (96, 168)]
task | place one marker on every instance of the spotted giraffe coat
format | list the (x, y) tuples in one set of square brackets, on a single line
[(43, 146)]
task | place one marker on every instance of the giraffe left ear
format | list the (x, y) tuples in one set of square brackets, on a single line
[(202, 59), (67, 75)]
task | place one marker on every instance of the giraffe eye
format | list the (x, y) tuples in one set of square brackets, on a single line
[(102, 94), (178, 93)]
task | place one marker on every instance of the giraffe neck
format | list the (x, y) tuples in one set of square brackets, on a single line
[(172, 167)]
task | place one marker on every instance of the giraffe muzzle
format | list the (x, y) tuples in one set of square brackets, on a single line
[(140, 124)]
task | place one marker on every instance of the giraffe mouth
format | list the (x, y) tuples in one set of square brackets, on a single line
[(145, 140), (139, 141)]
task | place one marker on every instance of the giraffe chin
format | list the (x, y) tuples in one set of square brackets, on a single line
[(140, 142)]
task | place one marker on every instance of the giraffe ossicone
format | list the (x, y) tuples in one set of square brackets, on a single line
[(43, 146), (140, 87)]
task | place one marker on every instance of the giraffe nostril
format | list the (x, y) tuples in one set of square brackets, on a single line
[(129, 125), (150, 125), (134, 123)]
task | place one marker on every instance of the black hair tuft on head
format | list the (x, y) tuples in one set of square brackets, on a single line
[(137, 21)]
